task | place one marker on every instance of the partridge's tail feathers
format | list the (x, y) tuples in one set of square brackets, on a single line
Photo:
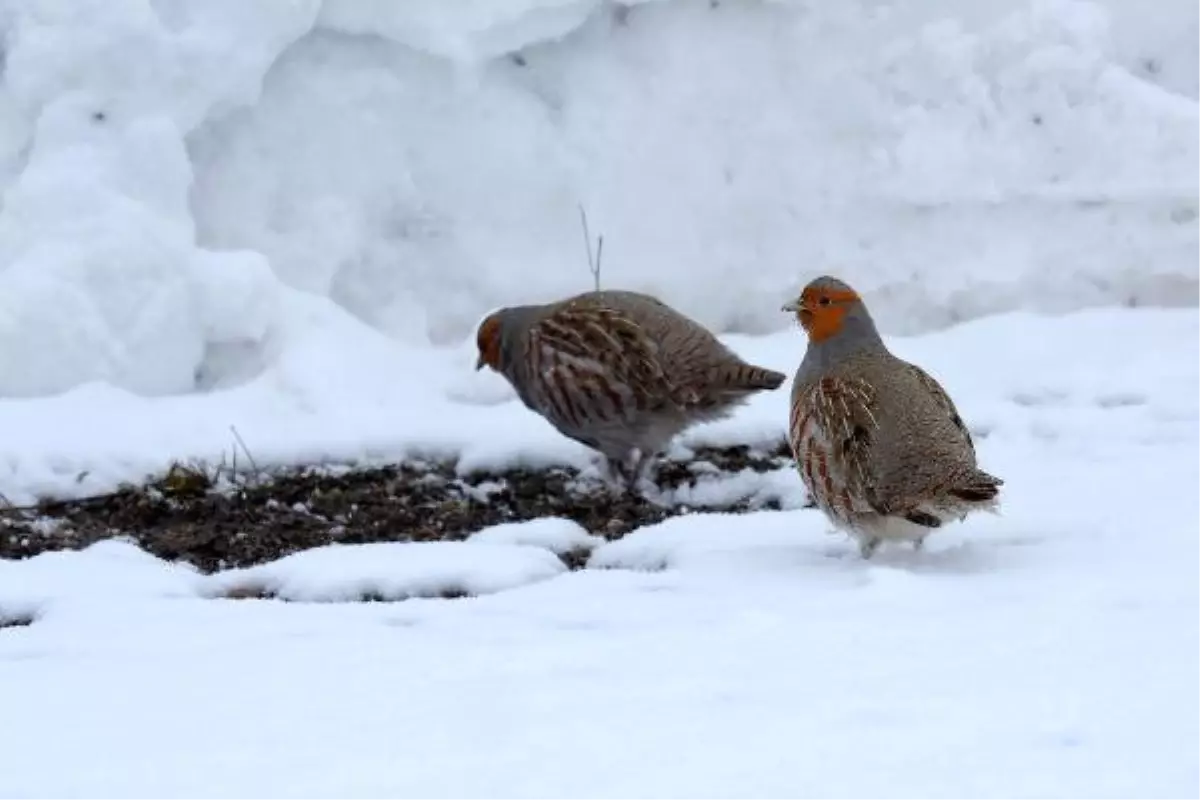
[(748, 377), (979, 487)]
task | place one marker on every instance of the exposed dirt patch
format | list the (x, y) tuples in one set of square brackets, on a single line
[(186, 516), (15, 620), (259, 592)]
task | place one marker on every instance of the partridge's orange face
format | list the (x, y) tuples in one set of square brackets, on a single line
[(487, 339), (822, 310)]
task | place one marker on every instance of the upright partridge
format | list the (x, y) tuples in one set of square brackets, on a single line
[(878, 442), (620, 372)]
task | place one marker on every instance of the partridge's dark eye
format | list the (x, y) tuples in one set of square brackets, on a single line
[(824, 301)]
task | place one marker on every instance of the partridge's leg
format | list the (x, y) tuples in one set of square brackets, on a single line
[(616, 470), (642, 463), (868, 546), (623, 474)]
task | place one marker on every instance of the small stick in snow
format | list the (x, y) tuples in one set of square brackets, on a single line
[(249, 455), (593, 263)]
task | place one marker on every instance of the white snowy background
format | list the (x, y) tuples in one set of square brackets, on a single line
[(288, 216)]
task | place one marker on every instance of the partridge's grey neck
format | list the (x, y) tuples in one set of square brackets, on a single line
[(857, 335)]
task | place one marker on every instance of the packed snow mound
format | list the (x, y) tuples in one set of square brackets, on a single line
[(555, 534), (390, 571), (175, 174), (114, 570)]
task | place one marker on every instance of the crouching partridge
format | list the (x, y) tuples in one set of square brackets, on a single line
[(620, 372), (878, 442)]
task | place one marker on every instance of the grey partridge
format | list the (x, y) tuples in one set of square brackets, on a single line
[(878, 442), (618, 371)]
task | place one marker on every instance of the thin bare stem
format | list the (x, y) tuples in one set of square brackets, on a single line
[(593, 261), (246, 450)]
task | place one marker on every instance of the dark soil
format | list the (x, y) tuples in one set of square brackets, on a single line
[(187, 515), (15, 620)]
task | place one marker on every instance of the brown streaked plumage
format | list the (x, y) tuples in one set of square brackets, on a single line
[(878, 442), (620, 372)]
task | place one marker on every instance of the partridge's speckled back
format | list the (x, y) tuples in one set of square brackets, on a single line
[(692, 357), (619, 370)]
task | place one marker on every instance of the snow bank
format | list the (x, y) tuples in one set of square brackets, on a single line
[(390, 571), (100, 274), (954, 165), (169, 170)]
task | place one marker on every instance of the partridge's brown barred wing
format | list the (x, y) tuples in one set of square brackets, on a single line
[(593, 365)]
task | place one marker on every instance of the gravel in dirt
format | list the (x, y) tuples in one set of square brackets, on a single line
[(214, 524)]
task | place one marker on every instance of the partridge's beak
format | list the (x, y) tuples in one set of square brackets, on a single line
[(802, 311), (479, 363)]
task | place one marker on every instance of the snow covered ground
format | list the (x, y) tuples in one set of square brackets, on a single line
[(1051, 651), (285, 219)]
